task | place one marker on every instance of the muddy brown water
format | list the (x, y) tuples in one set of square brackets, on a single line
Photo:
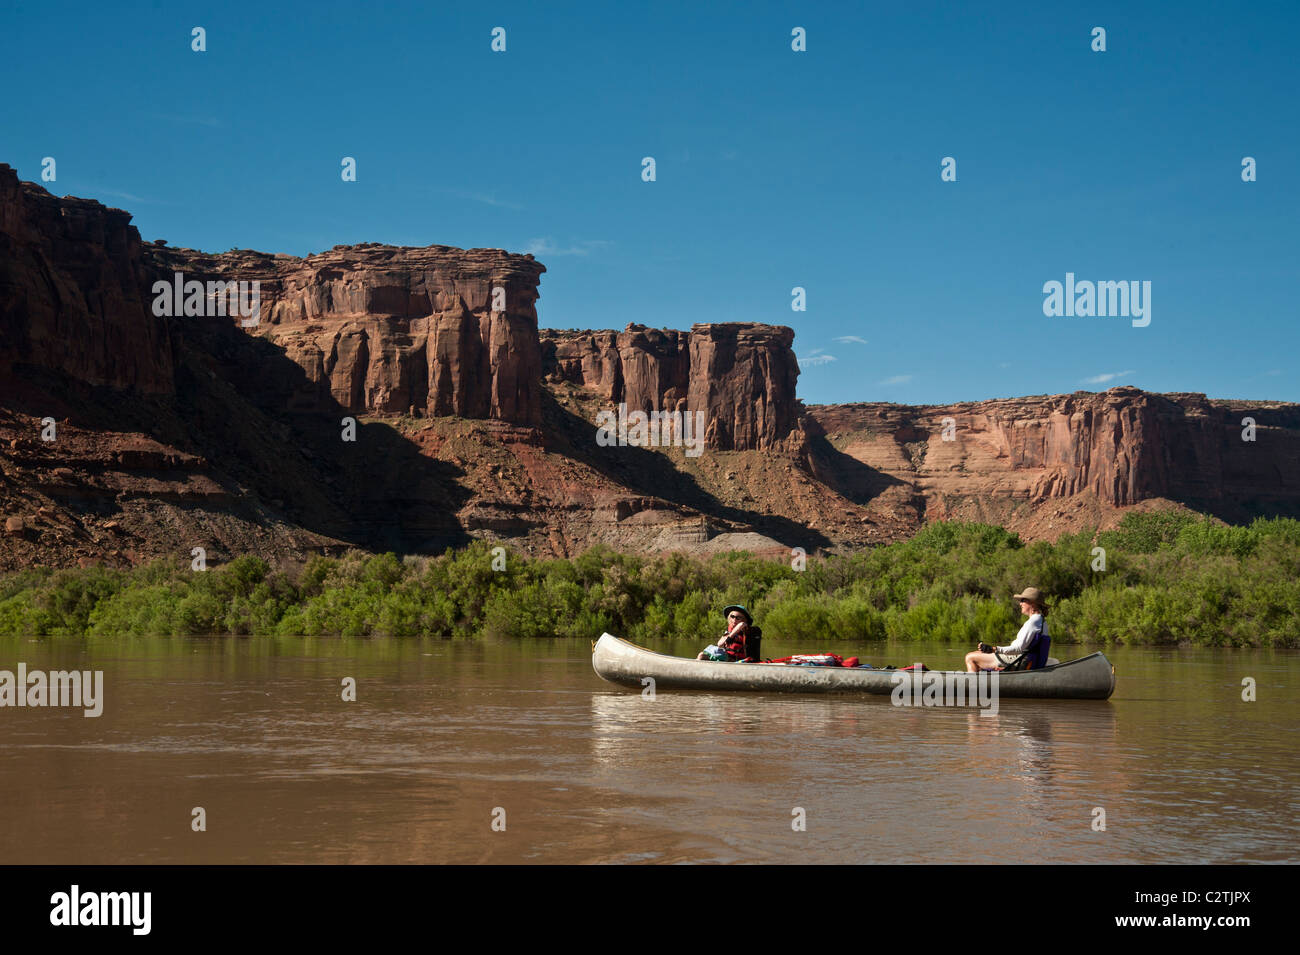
[(444, 737)]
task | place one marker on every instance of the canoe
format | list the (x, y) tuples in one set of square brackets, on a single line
[(618, 661)]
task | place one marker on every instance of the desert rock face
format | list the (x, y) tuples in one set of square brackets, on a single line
[(589, 359), (184, 431), (1121, 447), (391, 330), (375, 328), (648, 368), (74, 291), (742, 376)]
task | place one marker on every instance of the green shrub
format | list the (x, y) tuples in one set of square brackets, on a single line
[(1168, 579)]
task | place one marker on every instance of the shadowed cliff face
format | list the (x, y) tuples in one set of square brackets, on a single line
[(74, 291)]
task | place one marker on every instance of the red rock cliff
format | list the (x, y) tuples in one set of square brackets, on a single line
[(742, 376), (374, 327), (399, 330), (1123, 446), (74, 291)]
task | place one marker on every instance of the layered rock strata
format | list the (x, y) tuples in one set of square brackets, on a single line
[(395, 330), (741, 376), (1122, 446), (187, 431)]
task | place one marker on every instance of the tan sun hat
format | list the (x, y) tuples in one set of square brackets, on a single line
[(1033, 595)]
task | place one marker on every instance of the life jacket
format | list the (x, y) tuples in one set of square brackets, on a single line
[(745, 647)]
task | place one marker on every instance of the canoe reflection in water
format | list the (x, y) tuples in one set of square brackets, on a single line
[(878, 779)]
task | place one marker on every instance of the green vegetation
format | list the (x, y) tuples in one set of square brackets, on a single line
[(1168, 579)]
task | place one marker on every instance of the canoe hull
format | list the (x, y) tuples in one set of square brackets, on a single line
[(1088, 678)]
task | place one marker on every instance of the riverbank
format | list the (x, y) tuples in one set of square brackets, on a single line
[(1159, 579)]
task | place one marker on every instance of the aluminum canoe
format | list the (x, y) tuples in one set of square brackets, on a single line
[(618, 661)]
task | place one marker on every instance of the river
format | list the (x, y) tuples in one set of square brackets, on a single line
[(506, 752)]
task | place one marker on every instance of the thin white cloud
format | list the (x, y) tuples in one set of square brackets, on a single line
[(547, 246), (815, 359), (128, 196), (92, 190), (851, 340), (1102, 379), (487, 200), (897, 380)]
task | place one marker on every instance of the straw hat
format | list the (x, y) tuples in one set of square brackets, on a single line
[(1034, 596)]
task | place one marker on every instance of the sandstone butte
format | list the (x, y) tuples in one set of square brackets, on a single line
[(181, 432)]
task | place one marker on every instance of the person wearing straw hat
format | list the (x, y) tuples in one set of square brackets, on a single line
[(1030, 639)]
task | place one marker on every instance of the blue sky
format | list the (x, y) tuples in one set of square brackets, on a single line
[(775, 169)]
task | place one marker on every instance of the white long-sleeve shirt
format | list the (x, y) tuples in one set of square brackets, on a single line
[(1035, 624)]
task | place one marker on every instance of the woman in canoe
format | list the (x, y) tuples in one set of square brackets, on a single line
[(1032, 639), (734, 643)]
